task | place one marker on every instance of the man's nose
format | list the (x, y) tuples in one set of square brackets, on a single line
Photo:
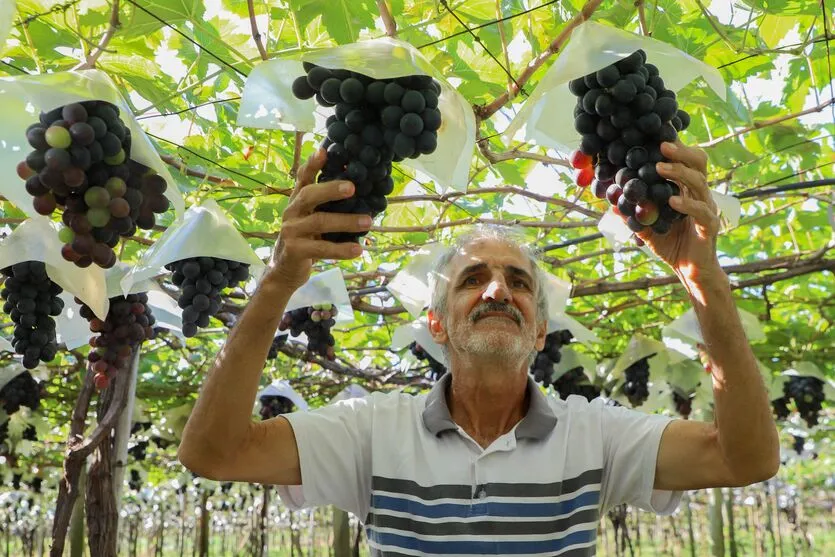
[(497, 290)]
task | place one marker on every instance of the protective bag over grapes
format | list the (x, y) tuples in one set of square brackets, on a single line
[(24, 98), (271, 101), (545, 118), (417, 332), (282, 388), (325, 288), (36, 239), (203, 231), (166, 312)]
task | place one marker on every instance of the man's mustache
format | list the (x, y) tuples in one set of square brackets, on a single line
[(496, 307)]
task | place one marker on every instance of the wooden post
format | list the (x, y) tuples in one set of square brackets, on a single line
[(729, 511), (77, 519), (688, 513), (769, 519), (123, 426), (205, 518), (341, 534)]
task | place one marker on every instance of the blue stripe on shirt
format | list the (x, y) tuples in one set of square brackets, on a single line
[(453, 510), (455, 547)]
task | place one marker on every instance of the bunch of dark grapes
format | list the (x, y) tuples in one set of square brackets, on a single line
[(575, 382), (36, 484), (683, 404), (4, 434), (31, 301), (542, 367), (137, 450), (781, 407), (30, 433), (22, 390), (81, 164), (135, 480), (277, 343), (436, 368), (201, 280), (129, 323), (807, 393), (161, 442), (376, 121), (636, 378), (316, 322), (798, 444), (138, 427), (624, 112), (272, 406)]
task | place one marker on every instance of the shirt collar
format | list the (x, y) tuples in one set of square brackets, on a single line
[(537, 423)]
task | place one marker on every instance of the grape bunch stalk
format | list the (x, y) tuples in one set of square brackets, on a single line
[(542, 367), (636, 379), (272, 406), (623, 113), (436, 368), (201, 281), (129, 323), (575, 382), (31, 301), (81, 163), (316, 322), (375, 122), (22, 390)]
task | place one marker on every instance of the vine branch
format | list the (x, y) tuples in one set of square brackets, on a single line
[(256, 35), (113, 26), (388, 19), (486, 111)]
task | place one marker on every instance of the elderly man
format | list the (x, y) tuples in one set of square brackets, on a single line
[(485, 463)]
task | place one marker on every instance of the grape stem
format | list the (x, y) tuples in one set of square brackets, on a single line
[(256, 35), (388, 19)]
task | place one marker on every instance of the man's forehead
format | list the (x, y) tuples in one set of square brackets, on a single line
[(490, 252)]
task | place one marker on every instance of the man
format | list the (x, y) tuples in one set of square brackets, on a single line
[(485, 463)]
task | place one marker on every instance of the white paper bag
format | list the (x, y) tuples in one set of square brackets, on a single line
[(349, 392), (687, 328), (36, 239), (327, 287), (412, 285), (570, 359), (24, 97), (640, 347), (204, 231), (546, 117), (8, 373), (417, 331), (7, 12), (72, 329), (560, 321), (268, 102), (282, 388)]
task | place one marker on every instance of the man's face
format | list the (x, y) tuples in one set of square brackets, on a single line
[(491, 303)]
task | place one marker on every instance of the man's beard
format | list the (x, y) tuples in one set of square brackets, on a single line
[(495, 342)]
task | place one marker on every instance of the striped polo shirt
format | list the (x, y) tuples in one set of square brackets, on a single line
[(423, 486)]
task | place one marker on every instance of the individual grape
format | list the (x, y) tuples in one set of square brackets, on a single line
[(585, 123), (411, 124), (44, 204), (57, 159), (591, 144), (413, 102), (436, 368), (599, 189), (578, 159), (58, 137), (646, 213), (635, 190), (584, 176), (315, 322), (578, 87), (302, 89), (36, 136), (608, 76)]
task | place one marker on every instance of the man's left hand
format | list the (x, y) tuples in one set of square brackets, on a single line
[(690, 245)]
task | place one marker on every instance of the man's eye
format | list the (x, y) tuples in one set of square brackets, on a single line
[(520, 283), (471, 280)]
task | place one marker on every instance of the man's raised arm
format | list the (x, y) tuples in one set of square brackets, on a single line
[(741, 446), (220, 441)]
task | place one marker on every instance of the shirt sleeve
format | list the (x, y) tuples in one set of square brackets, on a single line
[(630, 453), (334, 445)]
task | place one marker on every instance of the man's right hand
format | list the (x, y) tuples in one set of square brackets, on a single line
[(300, 241)]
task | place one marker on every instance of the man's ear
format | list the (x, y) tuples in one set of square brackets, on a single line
[(436, 328), (541, 333)]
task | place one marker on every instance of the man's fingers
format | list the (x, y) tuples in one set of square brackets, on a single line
[(305, 248), (693, 157), (703, 213), (683, 175), (315, 194), (308, 171), (319, 223)]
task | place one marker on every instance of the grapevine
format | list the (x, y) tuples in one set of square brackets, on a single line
[(316, 322), (31, 301), (624, 112), (201, 281), (272, 406), (375, 122)]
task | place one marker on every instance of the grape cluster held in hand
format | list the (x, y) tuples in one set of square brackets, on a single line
[(201, 281), (81, 164), (624, 112), (31, 301), (375, 122)]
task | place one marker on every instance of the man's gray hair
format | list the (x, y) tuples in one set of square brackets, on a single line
[(439, 278)]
